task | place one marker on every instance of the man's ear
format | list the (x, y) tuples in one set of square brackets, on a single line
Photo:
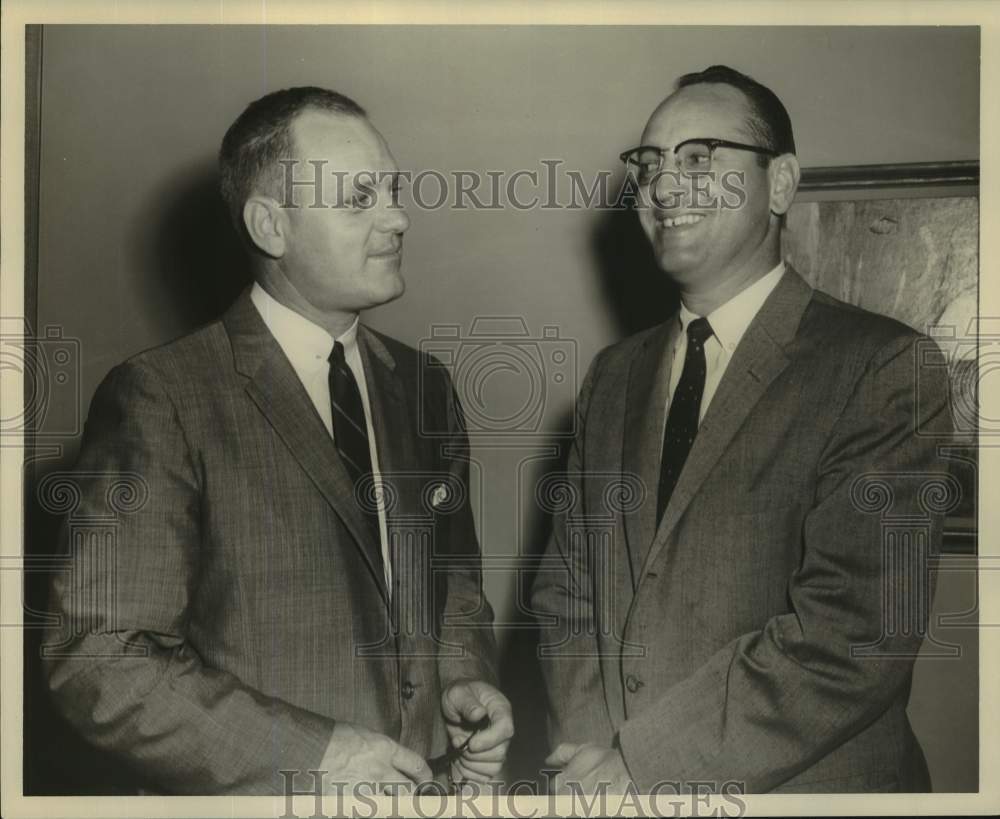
[(266, 225), (784, 174)]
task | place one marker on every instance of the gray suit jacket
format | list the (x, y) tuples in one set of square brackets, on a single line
[(235, 612), (764, 633)]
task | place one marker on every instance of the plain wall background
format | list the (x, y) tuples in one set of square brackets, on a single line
[(134, 248)]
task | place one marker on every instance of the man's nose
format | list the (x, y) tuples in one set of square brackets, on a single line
[(393, 218), (670, 190)]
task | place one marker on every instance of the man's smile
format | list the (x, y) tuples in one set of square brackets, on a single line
[(680, 222)]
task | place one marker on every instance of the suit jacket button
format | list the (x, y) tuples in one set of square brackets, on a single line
[(633, 683), (408, 690)]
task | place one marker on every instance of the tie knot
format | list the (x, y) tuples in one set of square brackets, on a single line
[(336, 354), (699, 330)]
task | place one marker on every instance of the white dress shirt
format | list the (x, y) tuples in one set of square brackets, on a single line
[(729, 322), (308, 346)]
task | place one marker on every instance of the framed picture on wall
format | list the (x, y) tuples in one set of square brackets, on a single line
[(903, 240)]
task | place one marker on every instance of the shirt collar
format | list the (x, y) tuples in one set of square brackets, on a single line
[(731, 320), (304, 342)]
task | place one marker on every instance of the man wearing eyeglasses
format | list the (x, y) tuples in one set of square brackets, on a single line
[(746, 629)]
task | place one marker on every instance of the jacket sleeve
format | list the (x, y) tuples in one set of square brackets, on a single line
[(562, 600), (118, 664), (469, 650), (775, 701)]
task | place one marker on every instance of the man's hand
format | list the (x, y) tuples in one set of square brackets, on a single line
[(589, 765), (356, 755), (464, 704)]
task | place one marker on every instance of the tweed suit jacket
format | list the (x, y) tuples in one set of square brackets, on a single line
[(246, 613), (764, 632)]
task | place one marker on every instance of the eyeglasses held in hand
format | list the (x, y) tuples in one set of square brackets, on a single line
[(441, 765)]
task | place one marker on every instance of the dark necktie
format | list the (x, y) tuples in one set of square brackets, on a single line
[(682, 419), (350, 432)]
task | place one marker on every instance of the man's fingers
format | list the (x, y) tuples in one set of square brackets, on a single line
[(479, 766), (411, 764), (560, 785), (576, 773), (392, 785), (577, 770), (499, 710), (461, 703), (562, 754), (463, 770), (500, 730), (495, 754), (492, 737)]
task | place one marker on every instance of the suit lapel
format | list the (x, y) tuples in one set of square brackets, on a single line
[(275, 388), (646, 400), (758, 360), (395, 438), (399, 460)]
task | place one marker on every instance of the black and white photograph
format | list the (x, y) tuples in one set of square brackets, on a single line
[(477, 415)]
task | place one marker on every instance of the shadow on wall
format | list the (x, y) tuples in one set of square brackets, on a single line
[(636, 292), (197, 263), (520, 672), (638, 295)]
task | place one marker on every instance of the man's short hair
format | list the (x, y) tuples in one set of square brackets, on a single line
[(768, 122), (261, 135)]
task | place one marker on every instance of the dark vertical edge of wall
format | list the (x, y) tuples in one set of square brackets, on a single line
[(32, 165), (32, 171)]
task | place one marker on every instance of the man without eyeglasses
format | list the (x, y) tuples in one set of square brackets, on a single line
[(273, 611), (736, 635)]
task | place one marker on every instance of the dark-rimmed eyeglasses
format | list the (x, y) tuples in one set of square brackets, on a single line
[(692, 156)]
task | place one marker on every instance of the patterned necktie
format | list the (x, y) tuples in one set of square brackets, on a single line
[(350, 432), (682, 419)]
